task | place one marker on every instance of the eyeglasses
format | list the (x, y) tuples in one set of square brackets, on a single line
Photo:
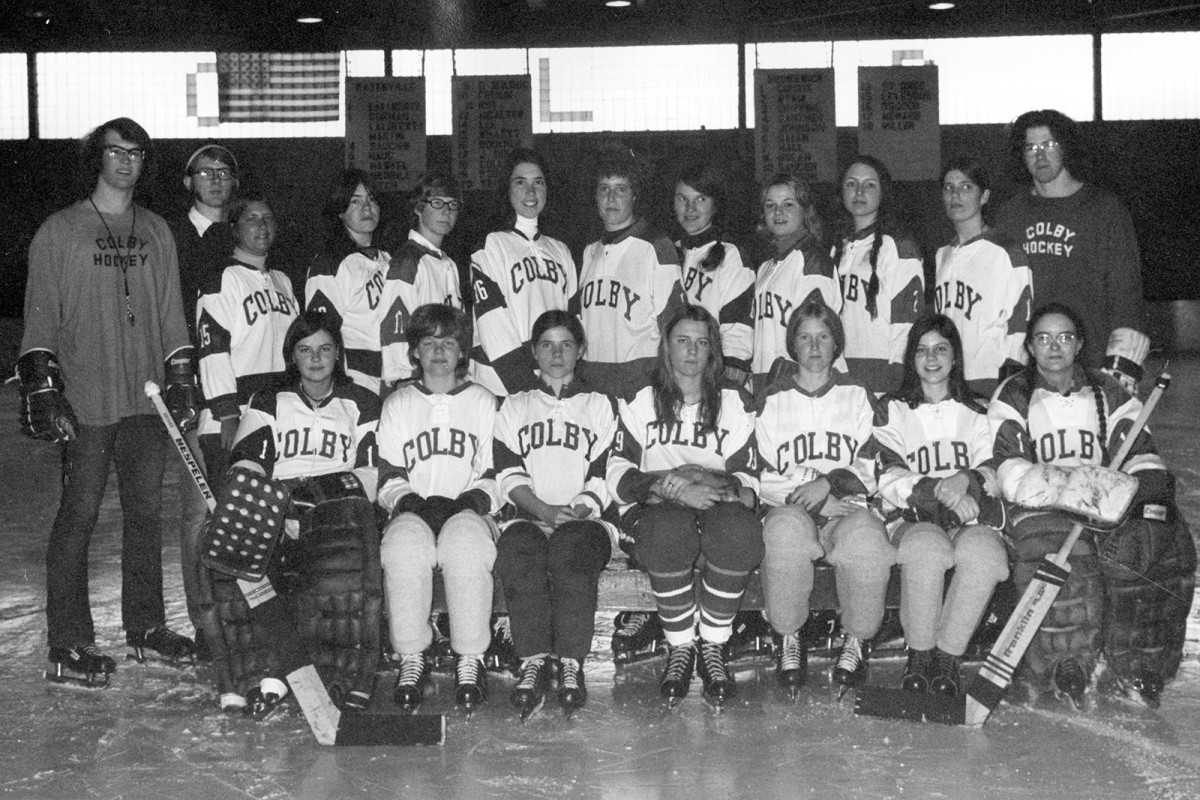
[(437, 204), (116, 151), (1064, 338), (213, 173), (1033, 148)]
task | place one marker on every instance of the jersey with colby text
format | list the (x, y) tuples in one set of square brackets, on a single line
[(783, 284), (350, 282), (419, 274), (726, 292)]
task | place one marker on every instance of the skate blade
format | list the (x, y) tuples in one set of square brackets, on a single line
[(155, 659), (841, 692), (636, 656), (97, 680), (528, 712), (888, 703)]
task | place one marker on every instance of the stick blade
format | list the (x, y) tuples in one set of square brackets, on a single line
[(371, 730), (887, 703)]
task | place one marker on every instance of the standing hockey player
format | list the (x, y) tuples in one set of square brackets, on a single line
[(438, 487), (713, 273), (983, 281), (551, 453), (814, 439), (883, 280), (936, 490), (347, 276), (799, 271), (102, 316), (517, 275), (630, 283), (683, 469)]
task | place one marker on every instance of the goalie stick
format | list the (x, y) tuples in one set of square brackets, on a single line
[(988, 688), (329, 725)]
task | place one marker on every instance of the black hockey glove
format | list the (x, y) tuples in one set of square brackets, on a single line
[(45, 412), (312, 492), (181, 393)]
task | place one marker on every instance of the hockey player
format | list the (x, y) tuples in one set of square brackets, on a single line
[(883, 283), (438, 487), (242, 317), (102, 316), (1054, 416), (983, 281), (551, 453), (713, 273), (420, 271), (314, 430), (630, 283), (814, 431), (684, 471), (936, 488), (799, 271), (347, 276), (517, 275)]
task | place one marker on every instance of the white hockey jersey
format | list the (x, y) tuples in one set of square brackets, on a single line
[(418, 274), (783, 284), (350, 282), (727, 293)]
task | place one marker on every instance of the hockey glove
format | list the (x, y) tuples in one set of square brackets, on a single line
[(1124, 356), (312, 492), (45, 412), (182, 394)]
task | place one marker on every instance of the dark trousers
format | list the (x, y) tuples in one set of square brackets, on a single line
[(138, 446), (550, 585)]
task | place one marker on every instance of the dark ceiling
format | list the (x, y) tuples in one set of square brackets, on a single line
[(231, 25)]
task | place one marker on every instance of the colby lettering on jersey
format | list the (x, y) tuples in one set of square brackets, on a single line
[(832, 446), (325, 444), (605, 293), (939, 457), (665, 434), (438, 442), (697, 279), (531, 268), (552, 433), (1066, 444), (264, 301), (770, 305), (956, 294)]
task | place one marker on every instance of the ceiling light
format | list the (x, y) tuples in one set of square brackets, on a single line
[(941, 6), (618, 3), (309, 20)]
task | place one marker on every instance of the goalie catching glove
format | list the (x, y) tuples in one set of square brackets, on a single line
[(1096, 497), (45, 412)]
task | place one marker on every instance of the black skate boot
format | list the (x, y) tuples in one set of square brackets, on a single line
[(83, 666), (751, 637), (410, 683), (160, 644), (263, 700), (677, 675), (572, 693), (501, 654), (1070, 682), (1149, 684), (533, 678), (917, 671), (791, 664), (441, 656), (944, 678), (638, 635), (851, 668), (712, 662), (470, 682)]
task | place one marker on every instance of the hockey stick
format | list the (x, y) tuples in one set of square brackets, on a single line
[(996, 674), (327, 722)]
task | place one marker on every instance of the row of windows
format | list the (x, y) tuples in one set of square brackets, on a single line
[(682, 87)]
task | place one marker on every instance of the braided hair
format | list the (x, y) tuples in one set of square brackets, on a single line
[(707, 180), (883, 224)]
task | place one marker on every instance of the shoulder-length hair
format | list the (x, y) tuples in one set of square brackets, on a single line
[(91, 149), (884, 223), (815, 309), (336, 203), (708, 180), (910, 390), (436, 319), (810, 220), (306, 325), (1063, 130), (668, 397)]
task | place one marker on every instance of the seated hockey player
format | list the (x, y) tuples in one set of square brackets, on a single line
[(1048, 421), (315, 432), (437, 485), (815, 442), (683, 470), (936, 490), (551, 452)]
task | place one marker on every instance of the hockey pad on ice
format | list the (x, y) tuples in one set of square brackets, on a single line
[(1096, 497), (1072, 627), (244, 528), (1149, 566), (339, 600)]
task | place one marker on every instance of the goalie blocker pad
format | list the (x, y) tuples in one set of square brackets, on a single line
[(1096, 497), (242, 531)]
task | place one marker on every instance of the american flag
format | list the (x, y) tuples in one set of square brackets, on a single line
[(278, 87)]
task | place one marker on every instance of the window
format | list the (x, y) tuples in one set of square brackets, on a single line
[(14, 88), (1151, 75)]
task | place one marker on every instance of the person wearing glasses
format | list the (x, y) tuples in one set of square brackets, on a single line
[(420, 271), (104, 315), (1080, 242), (1055, 416)]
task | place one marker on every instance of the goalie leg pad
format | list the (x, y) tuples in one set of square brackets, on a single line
[(1072, 627), (1149, 567), (339, 600)]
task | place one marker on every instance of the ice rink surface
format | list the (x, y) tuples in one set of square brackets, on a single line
[(157, 732)]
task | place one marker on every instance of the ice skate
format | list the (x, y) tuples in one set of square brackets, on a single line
[(751, 637), (81, 666), (264, 700), (440, 654), (1070, 683), (410, 683), (1149, 686), (712, 661), (944, 678), (470, 682), (161, 645), (677, 675), (851, 668), (791, 665), (638, 635), (501, 654), (533, 678), (917, 671), (572, 693)]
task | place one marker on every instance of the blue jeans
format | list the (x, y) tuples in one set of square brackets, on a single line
[(138, 446)]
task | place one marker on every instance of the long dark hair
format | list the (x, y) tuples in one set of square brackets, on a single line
[(883, 224), (668, 398), (306, 325), (1063, 130), (910, 390), (336, 203), (708, 180)]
